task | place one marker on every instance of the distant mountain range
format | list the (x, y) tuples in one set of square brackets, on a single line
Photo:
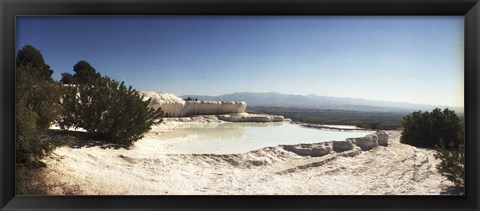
[(274, 99)]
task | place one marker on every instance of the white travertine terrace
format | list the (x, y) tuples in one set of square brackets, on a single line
[(173, 106)]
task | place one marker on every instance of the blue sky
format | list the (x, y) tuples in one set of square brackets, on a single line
[(395, 58)]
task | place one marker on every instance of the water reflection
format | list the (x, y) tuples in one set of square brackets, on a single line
[(212, 131), (231, 138), (209, 132)]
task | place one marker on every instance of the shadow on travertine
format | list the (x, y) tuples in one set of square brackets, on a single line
[(83, 139), (452, 190)]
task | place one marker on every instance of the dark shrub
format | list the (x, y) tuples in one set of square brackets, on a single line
[(67, 78), (36, 105), (443, 131), (107, 110), (30, 56), (28, 143), (84, 73), (452, 165), (428, 128)]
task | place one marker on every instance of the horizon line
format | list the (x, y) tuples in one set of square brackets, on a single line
[(274, 92)]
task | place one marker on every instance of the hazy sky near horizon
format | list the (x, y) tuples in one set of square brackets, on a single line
[(416, 59)]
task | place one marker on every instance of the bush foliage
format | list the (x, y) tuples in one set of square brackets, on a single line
[(108, 110), (452, 164), (84, 74), (36, 104), (30, 56), (442, 130), (427, 129), (104, 107)]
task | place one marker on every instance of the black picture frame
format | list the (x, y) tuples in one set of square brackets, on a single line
[(9, 9)]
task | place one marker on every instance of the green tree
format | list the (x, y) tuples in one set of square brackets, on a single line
[(36, 103), (109, 111), (32, 57), (27, 133), (85, 73), (452, 165), (428, 128), (442, 130), (67, 78)]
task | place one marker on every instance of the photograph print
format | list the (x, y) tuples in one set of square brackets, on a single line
[(240, 105)]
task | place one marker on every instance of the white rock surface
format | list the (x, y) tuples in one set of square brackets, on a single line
[(313, 150), (398, 169), (371, 141), (341, 146), (246, 117), (213, 107), (171, 105), (174, 106), (382, 138)]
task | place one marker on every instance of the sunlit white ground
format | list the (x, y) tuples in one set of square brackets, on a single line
[(145, 169)]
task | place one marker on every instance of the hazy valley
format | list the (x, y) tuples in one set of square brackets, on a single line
[(327, 110)]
